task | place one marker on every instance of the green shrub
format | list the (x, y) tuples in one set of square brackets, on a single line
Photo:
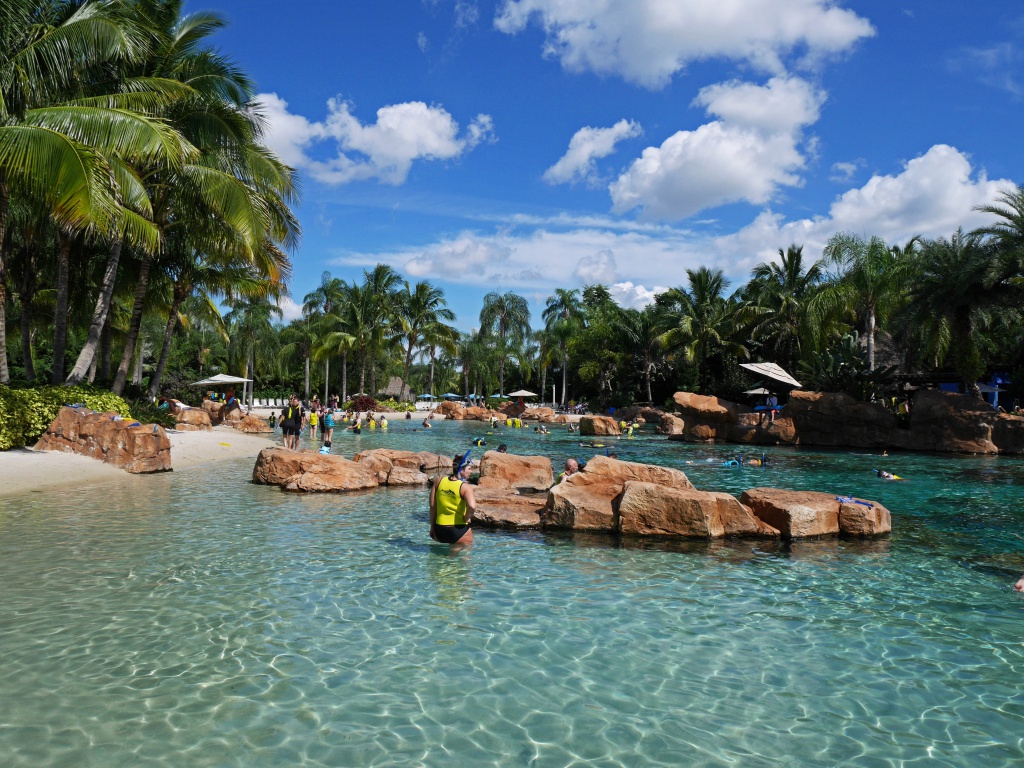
[(25, 413), (393, 405), (147, 413)]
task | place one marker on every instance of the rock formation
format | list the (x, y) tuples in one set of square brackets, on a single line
[(253, 425), (124, 443), (523, 473), (599, 426), (802, 514), (938, 421), (192, 420)]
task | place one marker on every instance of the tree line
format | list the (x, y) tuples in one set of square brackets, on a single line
[(145, 230)]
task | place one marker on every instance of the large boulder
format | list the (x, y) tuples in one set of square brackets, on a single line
[(513, 409), (124, 443), (1008, 433), (834, 418), (545, 415), (946, 421), (504, 508), (648, 509), (451, 409), (310, 471), (477, 413), (523, 473), (599, 426), (670, 424), (589, 499), (802, 514), (640, 414), (231, 413), (253, 425), (213, 410), (393, 467), (192, 420)]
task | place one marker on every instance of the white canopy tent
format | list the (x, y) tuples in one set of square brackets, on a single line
[(771, 371), (522, 393), (224, 379)]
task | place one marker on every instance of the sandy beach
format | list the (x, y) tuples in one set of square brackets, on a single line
[(24, 471)]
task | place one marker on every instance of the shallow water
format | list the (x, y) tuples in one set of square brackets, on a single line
[(212, 622)]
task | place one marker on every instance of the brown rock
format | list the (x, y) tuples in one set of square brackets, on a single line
[(588, 500), (507, 509), (310, 471), (647, 509), (670, 425), (477, 413), (831, 418), (858, 517), (124, 443), (524, 473), (701, 408), (230, 413), (406, 476), (946, 421), (253, 425), (599, 426), (451, 409), (797, 514), (1008, 433), (546, 415), (382, 459)]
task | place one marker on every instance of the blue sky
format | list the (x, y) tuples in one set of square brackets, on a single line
[(531, 144)]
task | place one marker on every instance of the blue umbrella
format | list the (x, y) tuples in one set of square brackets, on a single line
[(425, 397), (499, 395), (450, 395)]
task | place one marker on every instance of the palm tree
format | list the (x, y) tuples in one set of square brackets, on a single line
[(699, 321), (420, 309), (873, 278), (57, 142), (780, 307), (251, 320), (953, 299), (505, 316), (299, 339), (642, 330), (563, 315), (381, 284), (324, 301)]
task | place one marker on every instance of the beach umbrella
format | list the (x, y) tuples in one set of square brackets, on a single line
[(522, 393), (497, 396), (771, 371), (451, 396), (221, 378), (757, 391), (425, 397)]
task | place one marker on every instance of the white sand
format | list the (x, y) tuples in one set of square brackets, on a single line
[(24, 471)]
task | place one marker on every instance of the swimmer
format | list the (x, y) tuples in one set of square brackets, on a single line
[(479, 441), (571, 468), (883, 475), (426, 423), (502, 448), (1019, 586)]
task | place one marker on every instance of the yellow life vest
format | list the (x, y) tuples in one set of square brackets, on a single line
[(451, 506)]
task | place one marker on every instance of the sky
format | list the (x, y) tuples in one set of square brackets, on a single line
[(528, 145)]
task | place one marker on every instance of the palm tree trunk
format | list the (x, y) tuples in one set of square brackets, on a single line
[(133, 327), (99, 317), (565, 380), (92, 369), (647, 377), (871, 338), (543, 380), (405, 371), (105, 349), (306, 384), (5, 373), (60, 315), (344, 376), (362, 372), (373, 372), (140, 350), (432, 356), (327, 378), (165, 351), (27, 293)]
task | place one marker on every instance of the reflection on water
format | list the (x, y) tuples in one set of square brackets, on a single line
[(200, 620)]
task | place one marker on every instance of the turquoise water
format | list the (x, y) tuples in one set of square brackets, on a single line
[(211, 622)]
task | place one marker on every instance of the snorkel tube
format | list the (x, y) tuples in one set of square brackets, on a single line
[(462, 462)]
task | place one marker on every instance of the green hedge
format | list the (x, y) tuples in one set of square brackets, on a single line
[(25, 413)]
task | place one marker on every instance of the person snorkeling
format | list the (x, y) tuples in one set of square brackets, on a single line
[(452, 505)]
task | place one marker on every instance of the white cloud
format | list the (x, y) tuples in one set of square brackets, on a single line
[(635, 296), (599, 268), (932, 196), (586, 145), (466, 14), (746, 155), (384, 150), (289, 309), (648, 41), (843, 172), (422, 42)]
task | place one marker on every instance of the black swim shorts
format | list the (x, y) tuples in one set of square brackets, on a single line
[(286, 431), (449, 534)]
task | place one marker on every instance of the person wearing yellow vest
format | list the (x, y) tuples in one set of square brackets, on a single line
[(452, 505)]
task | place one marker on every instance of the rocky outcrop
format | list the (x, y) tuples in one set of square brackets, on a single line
[(648, 509), (599, 426), (670, 425), (124, 443), (514, 409), (589, 499), (938, 421), (803, 514), (544, 415), (504, 508), (640, 414), (523, 473), (213, 410), (392, 467), (192, 420), (310, 471), (253, 425)]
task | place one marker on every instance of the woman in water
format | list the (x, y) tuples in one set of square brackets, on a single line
[(452, 505)]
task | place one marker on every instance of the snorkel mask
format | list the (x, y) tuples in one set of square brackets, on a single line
[(463, 462)]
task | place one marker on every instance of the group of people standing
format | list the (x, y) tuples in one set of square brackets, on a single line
[(294, 419)]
